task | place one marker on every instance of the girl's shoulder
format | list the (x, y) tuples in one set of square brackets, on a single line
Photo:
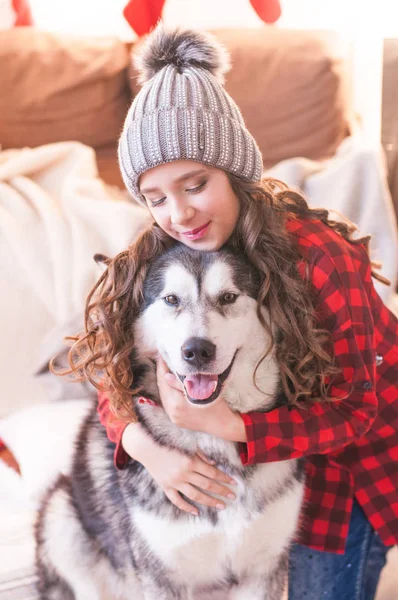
[(313, 233), (317, 242)]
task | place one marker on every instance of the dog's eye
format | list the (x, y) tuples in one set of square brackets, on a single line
[(171, 299), (228, 298)]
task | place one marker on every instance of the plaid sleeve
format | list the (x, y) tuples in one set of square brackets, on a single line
[(291, 432), (114, 429)]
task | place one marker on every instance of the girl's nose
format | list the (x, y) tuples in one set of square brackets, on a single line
[(181, 213)]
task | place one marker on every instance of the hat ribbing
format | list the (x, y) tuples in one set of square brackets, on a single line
[(183, 111)]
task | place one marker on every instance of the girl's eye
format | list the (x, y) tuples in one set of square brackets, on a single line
[(157, 202), (171, 300), (228, 298), (196, 189)]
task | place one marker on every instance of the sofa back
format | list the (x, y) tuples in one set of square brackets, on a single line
[(292, 87)]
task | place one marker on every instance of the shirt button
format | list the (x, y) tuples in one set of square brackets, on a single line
[(379, 360), (367, 385)]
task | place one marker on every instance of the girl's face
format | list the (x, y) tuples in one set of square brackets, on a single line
[(192, 202)]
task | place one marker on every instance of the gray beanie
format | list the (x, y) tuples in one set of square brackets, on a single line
[(183, 111)]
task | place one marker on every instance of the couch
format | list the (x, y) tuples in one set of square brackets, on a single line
[(66, 99)]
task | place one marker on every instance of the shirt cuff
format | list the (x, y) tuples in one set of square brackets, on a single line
[(120, 456), (247, 449)]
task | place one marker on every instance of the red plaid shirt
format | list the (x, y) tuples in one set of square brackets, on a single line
[(350, 445)]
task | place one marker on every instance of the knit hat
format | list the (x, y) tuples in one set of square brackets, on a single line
[(183, 111)]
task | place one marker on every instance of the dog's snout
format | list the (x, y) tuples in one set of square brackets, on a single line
[(198, 352)]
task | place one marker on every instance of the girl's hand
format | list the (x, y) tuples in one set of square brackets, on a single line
[(195, 477), (216, 419)]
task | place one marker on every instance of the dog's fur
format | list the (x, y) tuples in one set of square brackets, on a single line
[(116, 528)]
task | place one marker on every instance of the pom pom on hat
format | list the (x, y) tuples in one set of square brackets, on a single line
[(183, 48)]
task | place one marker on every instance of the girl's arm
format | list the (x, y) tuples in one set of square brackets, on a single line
[(343, 307), (114, 429), (173, 471)]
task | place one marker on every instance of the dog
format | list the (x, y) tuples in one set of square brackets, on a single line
[(103, 528)]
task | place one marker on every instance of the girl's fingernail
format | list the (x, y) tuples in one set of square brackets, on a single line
[(232, 496), (194, 512), (220, 506), (233, 482)]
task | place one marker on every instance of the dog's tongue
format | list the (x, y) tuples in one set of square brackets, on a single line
[(200, 387)]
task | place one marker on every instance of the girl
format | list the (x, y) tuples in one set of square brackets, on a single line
[(186, 154)]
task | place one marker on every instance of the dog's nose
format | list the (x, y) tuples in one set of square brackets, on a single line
[(198, 352)]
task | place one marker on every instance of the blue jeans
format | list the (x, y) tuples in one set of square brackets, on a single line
[(315, 575)]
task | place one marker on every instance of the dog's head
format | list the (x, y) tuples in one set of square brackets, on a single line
[(200, 314)]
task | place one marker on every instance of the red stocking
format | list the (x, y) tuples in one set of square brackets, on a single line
[(23, 13), (142, 15), (268, 10)]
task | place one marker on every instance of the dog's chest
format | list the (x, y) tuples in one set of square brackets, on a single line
[(194, 549), (201, 549)]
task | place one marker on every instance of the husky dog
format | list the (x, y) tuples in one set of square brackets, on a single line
[(106, 529)]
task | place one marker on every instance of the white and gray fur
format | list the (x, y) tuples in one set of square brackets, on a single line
[(106, 529), (183, 49)]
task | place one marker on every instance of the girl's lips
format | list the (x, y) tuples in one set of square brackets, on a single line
[(195, 234)]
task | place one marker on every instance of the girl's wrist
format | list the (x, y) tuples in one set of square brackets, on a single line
[(239, 429), (136, 442), (234, 430)]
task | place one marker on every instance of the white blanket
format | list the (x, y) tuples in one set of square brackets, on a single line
[(55, 214), (353, 183)]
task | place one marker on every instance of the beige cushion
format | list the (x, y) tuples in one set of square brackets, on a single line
[(56, 88), (291, 87)]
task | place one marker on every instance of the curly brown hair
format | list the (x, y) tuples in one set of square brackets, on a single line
[(102, 354)]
